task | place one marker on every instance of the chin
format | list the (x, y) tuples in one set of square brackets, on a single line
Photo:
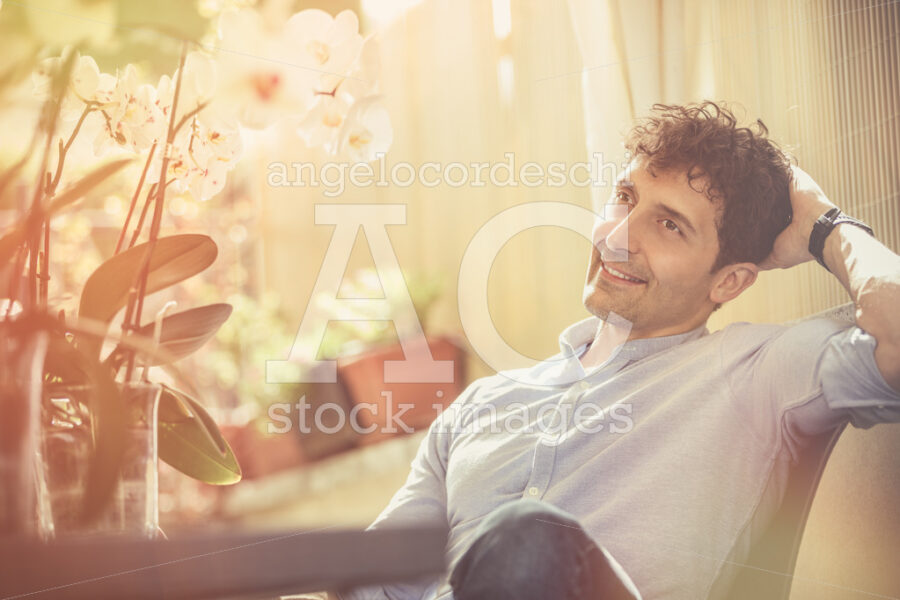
[(600, 304), (595, 302)]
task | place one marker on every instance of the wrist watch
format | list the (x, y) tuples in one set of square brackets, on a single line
[(825, 225)]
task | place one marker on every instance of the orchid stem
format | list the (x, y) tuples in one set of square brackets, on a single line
[(151, 193), (134, 200), (36, 217), (49, 191), (190, 116), (136, 301), (45, 267), (64, 148)]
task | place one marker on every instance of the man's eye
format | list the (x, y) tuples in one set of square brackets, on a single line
[(623, 198), (670, 225)]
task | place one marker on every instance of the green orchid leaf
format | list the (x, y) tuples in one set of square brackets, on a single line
[(174, 259), (190, 441), (172, 409), (110, 425), (181, 333)]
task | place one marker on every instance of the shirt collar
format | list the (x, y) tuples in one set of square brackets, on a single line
[(575, 338)]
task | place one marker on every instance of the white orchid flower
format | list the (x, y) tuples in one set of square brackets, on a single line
[(366, 71), (199, 160), (366, 131), (259, 80), (321, 126), (198, 91), (132, 118), (218, 152), (325, 46), (84, 83)]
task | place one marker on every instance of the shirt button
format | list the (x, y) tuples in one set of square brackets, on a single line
[(533, 491)]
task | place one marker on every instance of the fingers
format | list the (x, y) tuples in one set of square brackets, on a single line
[(767, 264)]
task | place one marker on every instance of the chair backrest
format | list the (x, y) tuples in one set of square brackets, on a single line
[(768, 571)]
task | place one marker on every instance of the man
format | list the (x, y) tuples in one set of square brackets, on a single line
[(653, 503)]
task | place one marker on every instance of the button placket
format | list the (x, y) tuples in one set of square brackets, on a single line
[(540, 471), (545, 454), (544, 457)]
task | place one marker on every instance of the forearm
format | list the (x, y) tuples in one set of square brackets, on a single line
[(870, 272)]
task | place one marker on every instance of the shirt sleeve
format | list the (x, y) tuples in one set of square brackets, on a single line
[(866, 396), (797, 381), (422, 499)]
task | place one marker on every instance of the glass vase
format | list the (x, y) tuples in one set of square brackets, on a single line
[(66, 449), (21, 368)]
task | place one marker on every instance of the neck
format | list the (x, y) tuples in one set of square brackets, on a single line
[(615, 331), (637, 334), (611, 333)]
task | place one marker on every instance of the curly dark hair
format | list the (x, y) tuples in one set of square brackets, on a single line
[(739, 169)]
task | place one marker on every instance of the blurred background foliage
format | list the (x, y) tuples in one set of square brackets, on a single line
[(149, 35)]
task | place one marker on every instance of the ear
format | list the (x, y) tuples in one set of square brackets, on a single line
[(731, 280)]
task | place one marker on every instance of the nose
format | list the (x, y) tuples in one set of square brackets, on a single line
[(616, 231)]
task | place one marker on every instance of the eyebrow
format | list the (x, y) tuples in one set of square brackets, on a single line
[(627, 183)]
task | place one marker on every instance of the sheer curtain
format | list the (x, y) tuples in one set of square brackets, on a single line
[(635, 54), (823, 76), (558, 82), (460, 88)]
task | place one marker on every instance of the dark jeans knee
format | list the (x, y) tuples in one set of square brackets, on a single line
[(529, 549), (531, 516)]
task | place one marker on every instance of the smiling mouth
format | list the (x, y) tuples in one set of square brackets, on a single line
[(615, 274)]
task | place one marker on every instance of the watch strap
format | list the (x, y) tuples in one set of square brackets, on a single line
[(824, 225)]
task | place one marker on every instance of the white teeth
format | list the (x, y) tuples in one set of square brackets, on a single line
[(621, 275)]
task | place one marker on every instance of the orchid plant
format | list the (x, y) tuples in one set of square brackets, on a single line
[(182, 134)]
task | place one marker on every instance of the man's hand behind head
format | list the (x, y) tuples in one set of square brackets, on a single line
[(808, 203)]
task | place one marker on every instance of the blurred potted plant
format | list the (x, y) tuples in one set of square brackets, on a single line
[(97, 427), (101, 422), (256, 428), (238, 354), (362, 344)]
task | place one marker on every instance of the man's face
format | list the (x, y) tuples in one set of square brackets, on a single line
[(664, 235)]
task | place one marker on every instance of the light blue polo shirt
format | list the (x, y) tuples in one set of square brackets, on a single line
[(669, 454)]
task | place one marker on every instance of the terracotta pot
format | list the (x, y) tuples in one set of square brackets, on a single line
[(310, 426), (384, 410), (323, 428)]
